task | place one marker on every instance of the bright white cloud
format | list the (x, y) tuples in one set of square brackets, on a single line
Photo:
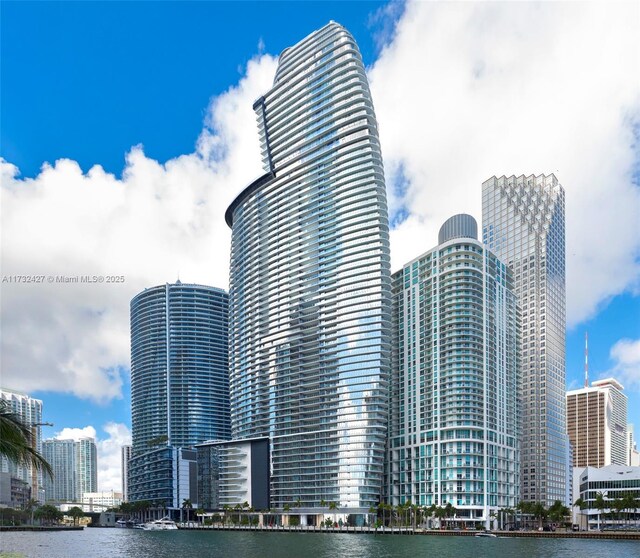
[(626, 356), (76, 433), (157, 222), (462, 91), (465, 91), (110, 456)]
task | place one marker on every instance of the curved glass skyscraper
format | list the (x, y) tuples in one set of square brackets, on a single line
[(310, 282), (454, 405), (179, 380)]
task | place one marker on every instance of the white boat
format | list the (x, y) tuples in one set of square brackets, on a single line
[(488, 535), (164, 524)]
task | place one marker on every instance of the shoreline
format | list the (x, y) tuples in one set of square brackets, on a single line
[(41, 528)]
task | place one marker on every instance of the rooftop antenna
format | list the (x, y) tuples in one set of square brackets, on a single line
[(586, 359)]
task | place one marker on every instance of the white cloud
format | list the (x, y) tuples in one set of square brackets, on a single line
[(76, 433), (158, 221), (467, 90), (626, 357), (110, 456)]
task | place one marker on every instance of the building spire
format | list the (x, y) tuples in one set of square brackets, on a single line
[(586, 359)]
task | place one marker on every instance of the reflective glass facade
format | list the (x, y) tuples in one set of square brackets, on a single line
[(454, 388), (523, 224), (310, 282), (179, 370)]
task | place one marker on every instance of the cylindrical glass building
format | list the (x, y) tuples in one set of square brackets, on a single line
[(179, 377), (310, 282)]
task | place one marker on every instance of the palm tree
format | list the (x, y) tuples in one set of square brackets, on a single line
[(30, 507), (373, 512), (76, 513), (539, 512), (600, 504), (186, 505), (16, 441), (581, 505), (333, 506)]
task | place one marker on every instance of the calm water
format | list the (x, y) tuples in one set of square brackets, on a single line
[(113, 543)]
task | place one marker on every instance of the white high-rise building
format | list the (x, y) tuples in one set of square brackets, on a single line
[(30, 412), (523, 225), (75, 469), (454, 383), (309, 297)]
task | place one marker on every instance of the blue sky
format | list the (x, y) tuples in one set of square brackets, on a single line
[(89, 81)]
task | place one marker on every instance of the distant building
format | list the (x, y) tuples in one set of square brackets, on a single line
[(75, 469), (523, 224), (454, 387), (179, 387), (86, 465), (100, 501), (30, 412), (597, 424), (125, 455), (61, 455)]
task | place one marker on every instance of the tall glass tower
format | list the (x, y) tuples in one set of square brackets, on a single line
[(454, 389), (179, 382), (523, 224), (310, 282)]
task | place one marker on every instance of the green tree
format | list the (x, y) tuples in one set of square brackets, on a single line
[(76, 513), (539, 512), (333, 506), (16, 443), (186, 506), (30, 507), (581, 505), (48, 514), (600, 504)]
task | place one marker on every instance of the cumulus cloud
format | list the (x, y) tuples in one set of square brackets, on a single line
[(110, 456), (626, 356), (76, 433), (156, 222), (465, 91)]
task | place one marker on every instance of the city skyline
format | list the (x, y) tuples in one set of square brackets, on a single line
[(84, 383)]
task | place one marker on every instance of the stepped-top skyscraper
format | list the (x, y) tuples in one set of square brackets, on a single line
[(310, 282), (523, 224), (454, 406), (179, 386)]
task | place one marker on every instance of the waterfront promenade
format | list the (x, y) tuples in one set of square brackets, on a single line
[(600, 535)]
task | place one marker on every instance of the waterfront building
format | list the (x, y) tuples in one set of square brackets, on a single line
[(233, 472), (523, 225), (179, 387), (30, 412), (597, 424), (125, 455), (63, 486), (310, 283), (454, 388), (612, 482)]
